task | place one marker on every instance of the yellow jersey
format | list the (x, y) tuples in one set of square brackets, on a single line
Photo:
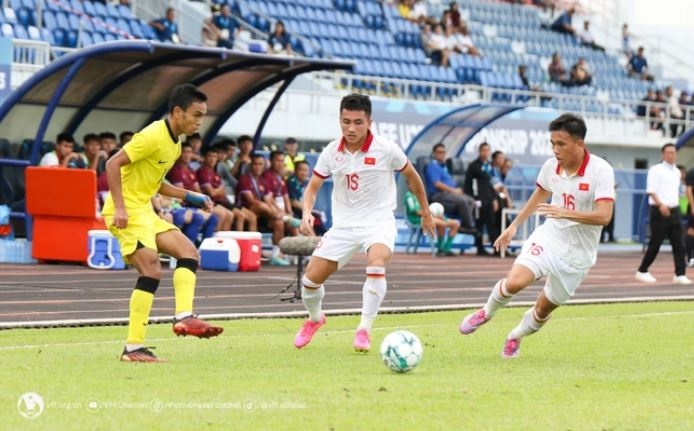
[(152, 153)]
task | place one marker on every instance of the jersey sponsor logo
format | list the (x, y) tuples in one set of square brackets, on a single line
[(584, 187), (161, 162), (369, 160)]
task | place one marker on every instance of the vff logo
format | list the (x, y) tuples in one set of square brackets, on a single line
[(30, 405)]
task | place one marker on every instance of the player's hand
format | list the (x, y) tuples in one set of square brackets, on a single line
[(199, 200), (120, 218), (505, 238), (307, 224), (428, 225), (664, 210), (550, 211)]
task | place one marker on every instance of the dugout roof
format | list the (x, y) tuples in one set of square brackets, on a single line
[(124, 85)]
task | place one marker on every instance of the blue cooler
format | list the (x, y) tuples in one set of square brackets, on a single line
[(104, 250), (220, 254)]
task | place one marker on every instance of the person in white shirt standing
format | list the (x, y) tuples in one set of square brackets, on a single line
[(565, 246), (665, 221), (362, 167)]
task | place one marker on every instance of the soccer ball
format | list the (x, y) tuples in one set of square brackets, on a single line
[(436, 209), (401, 351)]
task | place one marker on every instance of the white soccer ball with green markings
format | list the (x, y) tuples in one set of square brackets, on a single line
[(401, 351), (436, 209)]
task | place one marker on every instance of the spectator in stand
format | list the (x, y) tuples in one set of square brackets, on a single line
[(125, 137), (438, 47), (626, 39), (405, 8), (291, 156), (556, 70), (96, 157), (586, 37), (166, 27), (296, 185), (108, 141), (522, 74), (464, 41), (183, 176), (674, 111), (580, 74), (638, 66), (279, 195), (253, 194), (647, 108), (563, 23), (63, 155), (224, 27), (243, 161), (454, 14), (279, 40), (419, 14)]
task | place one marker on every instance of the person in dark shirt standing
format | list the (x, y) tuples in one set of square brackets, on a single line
[(478, 183)]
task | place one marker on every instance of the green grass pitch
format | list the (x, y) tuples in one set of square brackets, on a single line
[(600, 367)]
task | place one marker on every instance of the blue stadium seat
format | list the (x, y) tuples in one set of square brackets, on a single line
[(112, 11), (97, 38), (59, 37), (77, 6), (125, 12), (72, 38), (86, 39), (20, 32), (136, 30), (100, 10), (88, 8), (25, 16), (34, 33)]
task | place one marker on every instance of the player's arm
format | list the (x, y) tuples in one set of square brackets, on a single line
[(539, 197), (115, 186), (309, 201), (193, 198), (417, 186), (601, 215)]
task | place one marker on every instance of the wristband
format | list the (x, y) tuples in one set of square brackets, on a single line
[(196, 199)]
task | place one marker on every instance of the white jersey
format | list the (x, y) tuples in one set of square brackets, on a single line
[(576, 243), (364, 190)]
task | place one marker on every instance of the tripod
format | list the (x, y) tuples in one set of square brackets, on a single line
[(297, 289)]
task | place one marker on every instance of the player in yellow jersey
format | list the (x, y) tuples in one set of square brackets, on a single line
[(135, 174)]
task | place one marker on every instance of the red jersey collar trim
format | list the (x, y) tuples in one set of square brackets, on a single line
[(364, 147), (581, 169)]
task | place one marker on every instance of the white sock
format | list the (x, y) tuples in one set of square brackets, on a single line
[(373, 292), (182, 315), (132, 347), (498, 298), (528, 325), (312, 296), (275, 250)]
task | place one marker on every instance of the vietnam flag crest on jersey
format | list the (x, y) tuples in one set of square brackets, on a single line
[(584, 187), (369, 160)]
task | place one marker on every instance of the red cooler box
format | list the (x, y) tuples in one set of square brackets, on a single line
[(250, 246)]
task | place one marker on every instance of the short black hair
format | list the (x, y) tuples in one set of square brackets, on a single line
[(125, 133), (243, 138), (193, 137), (437, 146), (299, 163), (207, 149), (276, 153), (571, 124), (107, 135), (496, 154), (184, 95), (669, 144), (64, 137), (291, 140), (90, 137), (356, 102)]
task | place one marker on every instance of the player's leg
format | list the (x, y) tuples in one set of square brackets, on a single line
[(312, 292), (373, 292), (138, 247), (562, 282), (658, 226), (519, 277), (453, 226), (676, 238), (532, 321), (146, 261), (335, 249), (175, 244)]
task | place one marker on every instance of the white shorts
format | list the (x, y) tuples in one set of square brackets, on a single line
[(341, 244), (562, 278)]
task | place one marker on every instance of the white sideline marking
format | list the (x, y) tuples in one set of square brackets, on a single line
[(336, 331)]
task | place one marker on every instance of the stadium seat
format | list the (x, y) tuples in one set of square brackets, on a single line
[(7, 30), (10, 15)]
